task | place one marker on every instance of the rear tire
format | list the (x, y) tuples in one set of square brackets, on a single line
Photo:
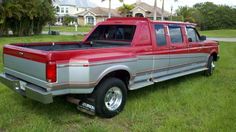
[(210, 66), (110, 97)]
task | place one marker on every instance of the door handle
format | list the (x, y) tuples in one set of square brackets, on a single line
[(173, 47)]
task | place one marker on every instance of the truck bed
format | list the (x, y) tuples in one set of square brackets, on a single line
[(75, 45)]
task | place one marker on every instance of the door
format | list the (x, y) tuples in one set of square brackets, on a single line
[(179, 57), (144, 52), (161, 52), (196, 48)]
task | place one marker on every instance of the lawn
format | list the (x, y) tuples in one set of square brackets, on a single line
[(190, 103), (224, 33), (68, 28)]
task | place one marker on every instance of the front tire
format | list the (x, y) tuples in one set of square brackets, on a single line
[(210, 66), (110, 97)]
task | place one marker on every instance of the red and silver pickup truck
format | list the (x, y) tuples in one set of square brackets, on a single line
[(118, 55)]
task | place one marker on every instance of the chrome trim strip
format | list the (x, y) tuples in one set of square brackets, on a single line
[(166, 68), (96, 63)]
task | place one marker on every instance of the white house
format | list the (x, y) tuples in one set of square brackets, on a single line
[(92, 16), (70, 7)]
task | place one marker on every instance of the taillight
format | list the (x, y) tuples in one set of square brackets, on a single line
[(51, 72)]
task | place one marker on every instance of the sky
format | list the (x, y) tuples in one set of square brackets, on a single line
[(168, 3)]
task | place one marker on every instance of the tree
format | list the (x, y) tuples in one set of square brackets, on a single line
[(186, 13), (125, 9), (209, 16), (109, 14), (68, 19), (26, 17)]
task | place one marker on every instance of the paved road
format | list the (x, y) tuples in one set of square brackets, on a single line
[(68, 33), (223, 39)]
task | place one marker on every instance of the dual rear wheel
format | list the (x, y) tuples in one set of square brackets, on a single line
[(110, 97)]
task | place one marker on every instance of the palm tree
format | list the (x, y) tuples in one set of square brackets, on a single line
[(109, 14), (125, 10)]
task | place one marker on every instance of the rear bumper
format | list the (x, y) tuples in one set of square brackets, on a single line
[(36, 92), (27, 90)]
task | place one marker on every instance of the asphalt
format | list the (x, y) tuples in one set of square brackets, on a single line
[(68, 33), (223, 39)]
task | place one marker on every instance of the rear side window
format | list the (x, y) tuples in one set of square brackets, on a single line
[(175, 34), (160, 35), (192, 35)]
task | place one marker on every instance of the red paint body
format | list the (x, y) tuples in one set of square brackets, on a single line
[(144, 43)]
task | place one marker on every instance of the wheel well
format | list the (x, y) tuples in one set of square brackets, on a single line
[(214, 56), (123, 75)]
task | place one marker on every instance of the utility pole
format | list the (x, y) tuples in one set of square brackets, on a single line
[(155, 10), (162, 10), (109, 14)]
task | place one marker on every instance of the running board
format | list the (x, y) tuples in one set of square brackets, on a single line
[(161, 79), (149, 82)]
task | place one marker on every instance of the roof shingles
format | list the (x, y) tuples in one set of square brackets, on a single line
[(100, 11), (150, 9)]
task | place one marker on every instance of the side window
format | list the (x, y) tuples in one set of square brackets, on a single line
[(160, 35), (175, 34), (192, 35)]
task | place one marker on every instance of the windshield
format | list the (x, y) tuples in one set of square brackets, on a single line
[(113, 33)]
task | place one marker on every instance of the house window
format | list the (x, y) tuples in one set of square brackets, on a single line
[(139, 15), (67, 10), (90, 20), (58, 9), (62, 10)]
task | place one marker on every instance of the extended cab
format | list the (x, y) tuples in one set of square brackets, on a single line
[(118, 55)]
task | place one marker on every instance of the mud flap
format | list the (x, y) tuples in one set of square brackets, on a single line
[(87, 106)]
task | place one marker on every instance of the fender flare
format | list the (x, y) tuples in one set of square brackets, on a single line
[(113, 69)]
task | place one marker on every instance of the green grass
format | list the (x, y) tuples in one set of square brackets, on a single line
[(68, 28), (38, 38), (190, 103), (224, 33)]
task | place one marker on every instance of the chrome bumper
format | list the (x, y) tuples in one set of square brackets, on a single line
[(26, 89)]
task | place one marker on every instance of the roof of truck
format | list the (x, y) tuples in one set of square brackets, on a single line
[(136, 19)]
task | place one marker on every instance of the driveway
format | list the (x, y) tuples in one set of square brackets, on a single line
[(223, 39), (68, 33)]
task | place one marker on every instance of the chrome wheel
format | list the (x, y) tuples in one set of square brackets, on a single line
[(113, 98), (213, 65)]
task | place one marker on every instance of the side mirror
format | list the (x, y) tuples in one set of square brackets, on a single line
[(203, 38), (190, 40)]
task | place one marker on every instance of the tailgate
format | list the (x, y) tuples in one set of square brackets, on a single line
[(20, 60)]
